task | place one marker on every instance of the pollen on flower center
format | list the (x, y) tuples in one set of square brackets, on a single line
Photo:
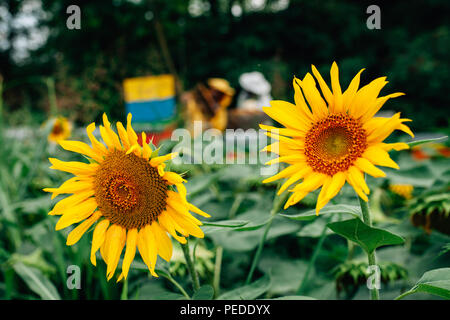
[(129, 191), (333, 144)]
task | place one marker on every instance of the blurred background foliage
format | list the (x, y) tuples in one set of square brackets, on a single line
[(224, 38)]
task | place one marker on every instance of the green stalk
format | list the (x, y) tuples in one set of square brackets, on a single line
[(217, 270), (124, 294), (190, 265), (375, 295), (277, 204), (50, 82), (176, 284), (311, 263)]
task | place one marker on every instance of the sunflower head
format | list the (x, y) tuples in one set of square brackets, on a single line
[(127, 193), (403, 190), (61, 129), (331, 136)]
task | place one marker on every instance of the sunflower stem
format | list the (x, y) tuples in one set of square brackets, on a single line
[(311, 263), (50, 82), (190, 265), (217, 270), (277, 204), (176, 284), (375, 295), (124, 294)]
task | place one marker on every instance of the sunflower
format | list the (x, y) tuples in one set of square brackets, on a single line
[(126, 192), (403, 190), (332, 137), (61, 129)]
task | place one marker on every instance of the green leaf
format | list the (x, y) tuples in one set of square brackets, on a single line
[(248, 292), (210, 227), (205, 292), (311, 214), (436, 282), (226, 223), (419, 142), (369, 238), (36, 281)]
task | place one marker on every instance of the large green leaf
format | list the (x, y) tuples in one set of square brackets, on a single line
[(214, 226), (205, 292), (369, 238), (419, 142), (436, 282), (311, 214), (36, 281), (248, 292)]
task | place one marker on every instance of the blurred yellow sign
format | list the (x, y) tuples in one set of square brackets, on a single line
[(149, 88)]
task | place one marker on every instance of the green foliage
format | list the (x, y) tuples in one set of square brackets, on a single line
[(205, 292), (248, 292), (368, 238), (436, 282)]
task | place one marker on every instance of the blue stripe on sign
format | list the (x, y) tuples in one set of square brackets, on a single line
[(153, 110)]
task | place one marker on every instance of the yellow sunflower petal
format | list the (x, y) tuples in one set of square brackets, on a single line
[(96, 145), (98, 238), (73, 185), (78, 232), (130, 251), (167, 224), (357, 189), (328, 95), (349, 94), (158, 160), (132, 136), (358, 179), (379, 157), (163, 242), (394, 146), (366, 97), (114, 241), (367, 166), (111, 134), (337, 91), (294, 178), (322, 200), (284, 173), (123, 135), (173, 178), (311, 182), (71, 201), (74, 167), (312, 95), (76, 214), (288, 159), (300, 102), (197, 210), (81, 147)]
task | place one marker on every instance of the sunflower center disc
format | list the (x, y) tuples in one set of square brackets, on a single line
[(129, 191), (334, 144), (57, 128)]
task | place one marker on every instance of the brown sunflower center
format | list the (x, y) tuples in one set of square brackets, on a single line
[(57, 128), (129, 191), (334, 144)]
